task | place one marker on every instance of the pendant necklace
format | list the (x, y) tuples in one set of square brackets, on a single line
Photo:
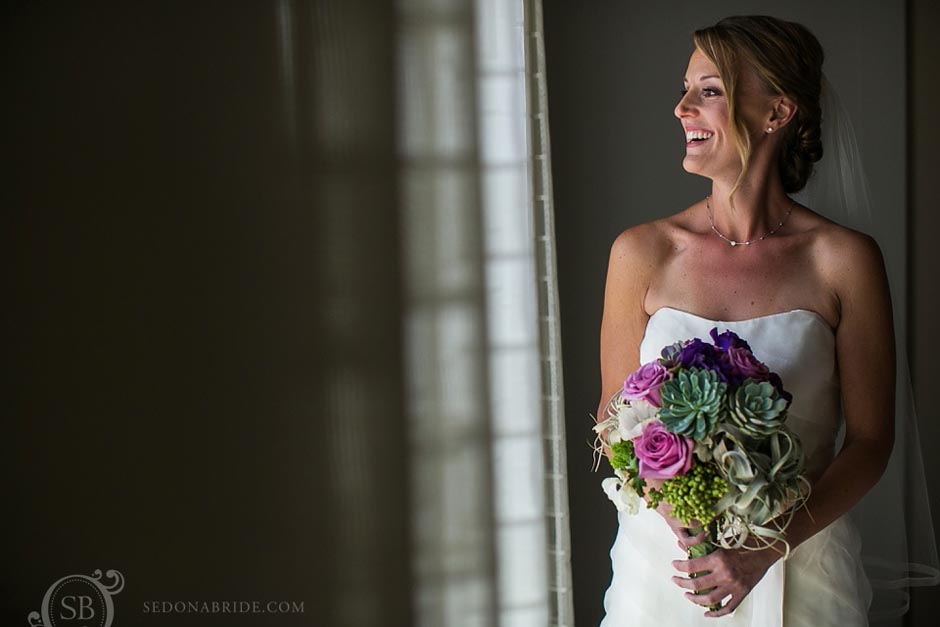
[(750, 241)]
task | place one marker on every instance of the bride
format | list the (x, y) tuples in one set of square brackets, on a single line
[(810, 295)]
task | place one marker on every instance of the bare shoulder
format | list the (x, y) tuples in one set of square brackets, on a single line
[(840, 246), (648, 244), (643, 246), (853, 264), (633, 259)]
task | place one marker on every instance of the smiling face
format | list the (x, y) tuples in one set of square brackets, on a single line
[(711, 150)]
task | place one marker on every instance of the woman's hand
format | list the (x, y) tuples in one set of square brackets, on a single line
[(728, 572)]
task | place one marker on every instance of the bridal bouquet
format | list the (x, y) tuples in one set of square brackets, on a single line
[(709, 420)]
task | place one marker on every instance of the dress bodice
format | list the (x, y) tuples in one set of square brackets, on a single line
[(823, 584), (799, 345)]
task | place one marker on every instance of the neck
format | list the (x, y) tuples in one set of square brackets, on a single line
[(758, 208)]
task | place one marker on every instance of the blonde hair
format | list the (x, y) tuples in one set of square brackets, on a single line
[(788, 60)]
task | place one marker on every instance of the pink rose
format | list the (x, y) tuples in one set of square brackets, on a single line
[(662, 454), (644, 384)]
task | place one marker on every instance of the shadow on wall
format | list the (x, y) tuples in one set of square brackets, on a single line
[(171, 314)]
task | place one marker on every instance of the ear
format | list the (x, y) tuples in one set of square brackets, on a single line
[(782, 112)]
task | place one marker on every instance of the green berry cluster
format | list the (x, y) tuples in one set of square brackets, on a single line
[(693, 495), (622, 455)]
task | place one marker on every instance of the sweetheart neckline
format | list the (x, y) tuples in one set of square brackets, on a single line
[(814, 315)]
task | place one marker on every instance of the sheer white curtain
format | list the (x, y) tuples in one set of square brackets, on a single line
[(421, 127), (484, 399)]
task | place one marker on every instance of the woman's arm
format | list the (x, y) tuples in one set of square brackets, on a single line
[(865, 352), (623, 323), (634, 256)]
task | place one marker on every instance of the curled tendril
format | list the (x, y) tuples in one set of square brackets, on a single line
[(605, 427)]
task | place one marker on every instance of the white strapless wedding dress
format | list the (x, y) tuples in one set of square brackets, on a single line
[(823, 583)]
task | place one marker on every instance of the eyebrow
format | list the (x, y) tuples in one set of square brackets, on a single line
[(702, 78)]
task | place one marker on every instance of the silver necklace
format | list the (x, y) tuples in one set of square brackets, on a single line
[(750, 241)]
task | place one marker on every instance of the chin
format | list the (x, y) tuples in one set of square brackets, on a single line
[(693, 166), (710, 168)]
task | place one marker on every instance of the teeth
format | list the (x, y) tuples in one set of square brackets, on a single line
[(690, 135)]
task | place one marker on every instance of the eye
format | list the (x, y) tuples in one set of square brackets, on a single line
[(708, 92)]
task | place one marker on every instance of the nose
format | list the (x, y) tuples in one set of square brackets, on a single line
[(683, 109)]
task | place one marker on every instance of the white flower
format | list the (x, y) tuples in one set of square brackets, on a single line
[(623, 496), (633, 415)]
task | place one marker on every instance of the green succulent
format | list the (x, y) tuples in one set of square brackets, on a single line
[(757, 409), (693, 400)]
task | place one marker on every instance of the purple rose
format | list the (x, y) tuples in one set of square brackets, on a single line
[(661, 453), (698, 354), (728, 339), (644, 384), (740, 364)]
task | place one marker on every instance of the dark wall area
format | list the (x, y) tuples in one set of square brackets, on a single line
[(170, 404), (924, 254)]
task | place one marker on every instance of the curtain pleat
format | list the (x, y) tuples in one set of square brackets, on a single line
[(561, 607)]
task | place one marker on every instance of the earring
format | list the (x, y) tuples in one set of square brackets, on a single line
[(770, 129)]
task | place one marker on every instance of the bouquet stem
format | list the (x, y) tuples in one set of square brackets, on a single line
[(701, 550)]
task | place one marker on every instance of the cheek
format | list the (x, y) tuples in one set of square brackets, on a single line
[(722, 124)]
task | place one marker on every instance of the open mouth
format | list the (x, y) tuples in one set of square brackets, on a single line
[(696, 138)]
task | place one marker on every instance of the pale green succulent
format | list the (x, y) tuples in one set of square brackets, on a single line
[(757, 409), (693, 401)]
